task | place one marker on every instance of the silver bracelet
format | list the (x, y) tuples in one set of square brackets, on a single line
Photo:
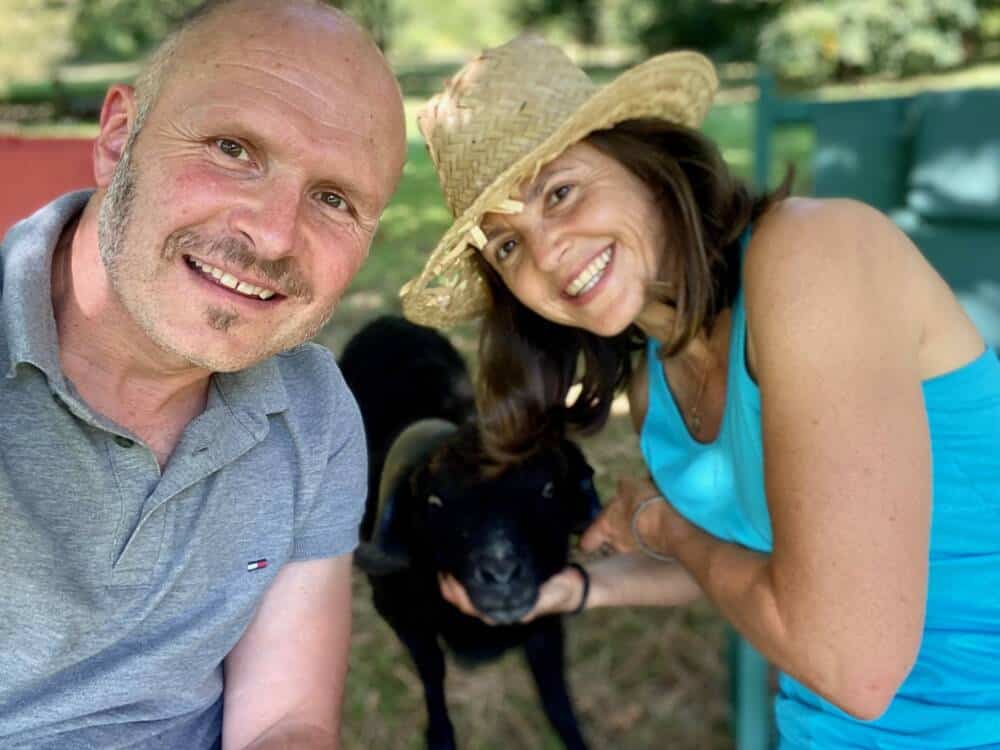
[(643, 547)]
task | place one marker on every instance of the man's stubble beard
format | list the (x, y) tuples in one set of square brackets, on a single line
[(115, 219)]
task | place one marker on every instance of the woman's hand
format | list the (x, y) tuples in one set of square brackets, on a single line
[(612, 529), (558, 595)]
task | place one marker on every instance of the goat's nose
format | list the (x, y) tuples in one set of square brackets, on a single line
[(494, 570)]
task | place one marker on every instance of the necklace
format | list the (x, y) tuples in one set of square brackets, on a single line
[(694, 414)]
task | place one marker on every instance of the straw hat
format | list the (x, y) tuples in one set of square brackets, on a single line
[(503, 117)]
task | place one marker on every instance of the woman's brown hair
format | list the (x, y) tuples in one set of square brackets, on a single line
[(527, 364)]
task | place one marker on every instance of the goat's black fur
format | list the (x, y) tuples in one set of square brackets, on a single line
[(399, 373), (433, 509)]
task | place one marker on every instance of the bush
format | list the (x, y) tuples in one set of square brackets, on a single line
[(813, 43), (724, 30), (34, 34)]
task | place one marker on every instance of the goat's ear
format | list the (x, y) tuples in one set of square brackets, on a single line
[(586, 503), (375, 561)]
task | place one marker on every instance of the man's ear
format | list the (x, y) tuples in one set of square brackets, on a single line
[(118, 113)]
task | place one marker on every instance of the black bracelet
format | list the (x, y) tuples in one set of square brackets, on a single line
[(586, 586)]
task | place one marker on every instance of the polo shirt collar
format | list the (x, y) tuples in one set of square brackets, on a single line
[(26, 254), (257, 390), (30, 327)]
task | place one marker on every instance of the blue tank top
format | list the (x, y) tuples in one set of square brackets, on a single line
[(951, 699)]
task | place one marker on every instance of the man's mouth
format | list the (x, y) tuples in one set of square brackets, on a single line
[(227, 280), (587, 278)]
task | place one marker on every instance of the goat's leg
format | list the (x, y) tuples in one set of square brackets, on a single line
[(544, 650), (429, 661)]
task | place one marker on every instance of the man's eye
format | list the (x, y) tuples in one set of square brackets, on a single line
[(333, 200), (505, 249), (232, 148), (559, 194)]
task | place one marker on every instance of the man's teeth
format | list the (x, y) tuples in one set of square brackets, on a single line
[(590, 275), (231, 282)]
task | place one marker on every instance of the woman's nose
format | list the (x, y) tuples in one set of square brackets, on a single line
[(549, 247)]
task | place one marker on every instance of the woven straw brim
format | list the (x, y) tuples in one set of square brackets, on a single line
[(677, 86)]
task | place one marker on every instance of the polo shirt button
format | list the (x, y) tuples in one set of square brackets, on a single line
[(124, 442)]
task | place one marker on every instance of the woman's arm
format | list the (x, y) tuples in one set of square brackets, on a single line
[(623, 580), (632, 579), (839, 604)]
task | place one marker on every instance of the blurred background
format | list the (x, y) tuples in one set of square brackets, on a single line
[(641, 679)]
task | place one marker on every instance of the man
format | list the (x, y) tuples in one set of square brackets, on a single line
[(180, 481)]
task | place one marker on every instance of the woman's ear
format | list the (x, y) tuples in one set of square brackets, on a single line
[(118, 115)]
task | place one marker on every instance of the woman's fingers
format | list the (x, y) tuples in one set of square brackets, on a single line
[(558, 595), (455, 593), (597, 536), (610, 530)]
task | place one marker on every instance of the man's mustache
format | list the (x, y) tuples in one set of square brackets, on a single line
[(282, 272)]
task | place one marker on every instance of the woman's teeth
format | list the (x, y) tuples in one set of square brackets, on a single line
[(590, 275), (231, 282)]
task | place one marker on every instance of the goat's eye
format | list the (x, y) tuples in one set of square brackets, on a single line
[(435, 501), (548, 490)]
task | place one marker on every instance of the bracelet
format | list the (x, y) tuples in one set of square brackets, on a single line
[(643, 547), (586, 586)]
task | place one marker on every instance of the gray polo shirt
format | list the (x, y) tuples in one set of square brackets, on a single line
[(122, 588)]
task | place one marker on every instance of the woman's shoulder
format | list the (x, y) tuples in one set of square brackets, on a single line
[(812, 265), (807, 241), (820, 226)]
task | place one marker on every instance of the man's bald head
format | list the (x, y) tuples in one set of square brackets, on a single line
[(226, 21), (162, 61)]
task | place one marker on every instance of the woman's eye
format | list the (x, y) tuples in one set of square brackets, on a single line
[(559, 194), (232, 148), (505, 249), (333, 200)]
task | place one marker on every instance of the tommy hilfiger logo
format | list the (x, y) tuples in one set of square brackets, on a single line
[(256, 565)]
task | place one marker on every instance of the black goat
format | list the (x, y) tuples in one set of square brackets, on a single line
[(434, 509), (399, 373)]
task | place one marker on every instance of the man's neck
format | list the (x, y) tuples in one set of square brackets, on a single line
[(110, 360)]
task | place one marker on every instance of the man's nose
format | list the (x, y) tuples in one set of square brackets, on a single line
[(272, 218)]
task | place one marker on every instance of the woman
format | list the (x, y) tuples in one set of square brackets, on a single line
[(806, 385)]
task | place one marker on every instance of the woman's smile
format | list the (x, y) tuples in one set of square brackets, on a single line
[(591, 275)]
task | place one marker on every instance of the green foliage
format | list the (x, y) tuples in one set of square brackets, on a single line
[(580, 17), (725, 30), (816, 42), (115, 30), (447, 30), (381, 17), (33, 38), (989, 22)]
